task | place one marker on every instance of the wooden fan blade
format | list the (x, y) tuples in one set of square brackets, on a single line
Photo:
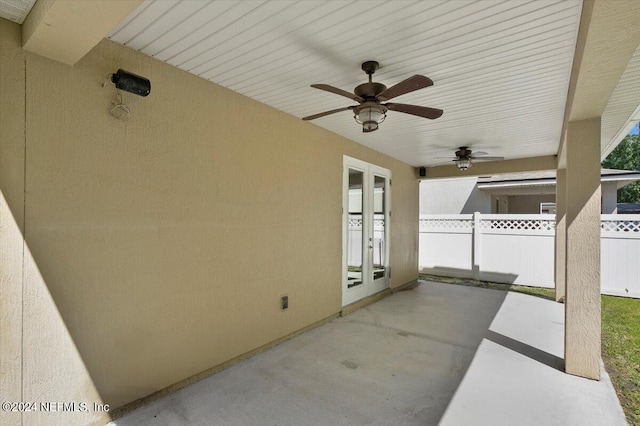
[(486, 158), (337, 91), (420, 111), (322, 114), (405, 86)]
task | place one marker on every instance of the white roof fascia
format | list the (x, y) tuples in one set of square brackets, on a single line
[(542, 182), (536, 182), (623, 176)]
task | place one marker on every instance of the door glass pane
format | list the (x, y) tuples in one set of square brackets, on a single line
[(355, 235), (379, 242)]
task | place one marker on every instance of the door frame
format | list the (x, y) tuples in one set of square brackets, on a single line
[(369, 286)]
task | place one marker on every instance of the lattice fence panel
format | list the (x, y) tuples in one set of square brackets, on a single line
[(378, 224), (444, 224), (620, 225), (355, 224), (519, 224)]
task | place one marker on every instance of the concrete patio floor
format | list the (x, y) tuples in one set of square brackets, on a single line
[(437, 354)]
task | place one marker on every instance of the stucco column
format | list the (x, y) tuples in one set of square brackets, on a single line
[(561, 234), (582, 300), (12, 185)]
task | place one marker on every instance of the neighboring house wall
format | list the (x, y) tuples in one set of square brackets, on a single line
[(462, 196), (528, 204), (499, 204), (609, 197), (160, 247), (453, 196)]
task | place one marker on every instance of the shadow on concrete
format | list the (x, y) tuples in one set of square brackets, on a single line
[(438, 354), (396, 362), (526, 350), (531, 291)]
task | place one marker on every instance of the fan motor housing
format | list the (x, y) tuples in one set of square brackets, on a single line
[(463, 152), (370, 90)]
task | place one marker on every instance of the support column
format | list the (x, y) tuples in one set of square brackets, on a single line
[(561, 234), (12, 185), (582, 300)]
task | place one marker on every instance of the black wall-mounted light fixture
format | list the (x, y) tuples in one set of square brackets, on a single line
[(130, 82)]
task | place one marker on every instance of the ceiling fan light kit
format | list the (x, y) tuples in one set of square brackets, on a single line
[(464, 157), (371, 111), (370, 116), (463, 164)]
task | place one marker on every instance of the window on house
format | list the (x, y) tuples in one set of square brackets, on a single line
[(547, 208)]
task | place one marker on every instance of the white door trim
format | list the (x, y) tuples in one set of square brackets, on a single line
[(369, 286)]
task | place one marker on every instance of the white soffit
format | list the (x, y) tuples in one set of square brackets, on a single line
[(501, 68), (622, 111), (16, 10)]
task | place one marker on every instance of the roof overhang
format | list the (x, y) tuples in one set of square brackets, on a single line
[(548, 185), (608, 38), (65, 31)]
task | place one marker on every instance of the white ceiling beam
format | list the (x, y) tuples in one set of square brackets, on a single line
[(65, 30)]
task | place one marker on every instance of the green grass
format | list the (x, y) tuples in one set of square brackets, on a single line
[(620, 338), (621, 351)]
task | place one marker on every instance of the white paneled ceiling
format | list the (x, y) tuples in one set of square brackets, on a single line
[(501, 68), (16, 10)]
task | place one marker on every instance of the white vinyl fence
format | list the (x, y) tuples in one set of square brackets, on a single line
[(519, 249), (355, 243)]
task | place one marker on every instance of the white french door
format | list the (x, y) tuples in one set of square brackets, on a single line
[(365, 253)]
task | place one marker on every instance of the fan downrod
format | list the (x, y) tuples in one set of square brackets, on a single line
[(370, 90)]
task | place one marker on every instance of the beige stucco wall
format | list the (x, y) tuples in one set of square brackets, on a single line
[(160, 247)]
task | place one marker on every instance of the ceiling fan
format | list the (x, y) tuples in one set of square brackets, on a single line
[(464, 156), (370, 96)]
